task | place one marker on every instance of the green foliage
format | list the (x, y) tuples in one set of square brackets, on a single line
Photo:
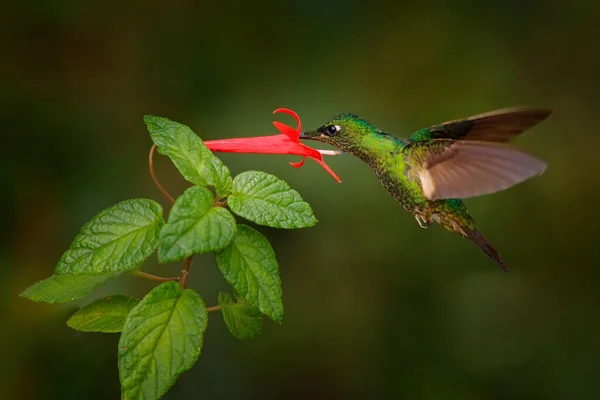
[(64, 288), (267, 200), (116, 239), (161, 339), (103, 315), (192, 158), (195, 226), (162, 335), (243, 320), (250, 267)]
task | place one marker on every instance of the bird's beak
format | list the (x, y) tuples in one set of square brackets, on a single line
[(304, 135)]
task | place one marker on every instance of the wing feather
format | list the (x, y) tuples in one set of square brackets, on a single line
[(495, 126), (461, 169)]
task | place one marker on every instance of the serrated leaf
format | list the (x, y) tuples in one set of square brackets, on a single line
[(192, 158), (64, 288), (117, 239), (267, 200), (250, 267), (243, 320), (103, 315), (161, 339), (195, 226)]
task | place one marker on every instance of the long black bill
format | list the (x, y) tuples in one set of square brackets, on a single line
[(303, 135)]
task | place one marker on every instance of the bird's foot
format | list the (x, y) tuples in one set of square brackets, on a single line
[(423, 223)]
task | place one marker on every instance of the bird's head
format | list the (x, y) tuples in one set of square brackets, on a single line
[(344, 131)]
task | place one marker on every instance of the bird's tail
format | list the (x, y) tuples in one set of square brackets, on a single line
[(467, 228), (481, 241)]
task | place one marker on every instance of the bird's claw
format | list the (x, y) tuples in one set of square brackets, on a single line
[(423, 224)]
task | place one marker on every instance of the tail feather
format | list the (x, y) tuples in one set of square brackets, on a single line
[(453, 215), (481, 241)]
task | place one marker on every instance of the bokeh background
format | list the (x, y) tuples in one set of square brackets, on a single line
[(375, 306)]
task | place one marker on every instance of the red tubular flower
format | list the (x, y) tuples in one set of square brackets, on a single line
[(288, 142)]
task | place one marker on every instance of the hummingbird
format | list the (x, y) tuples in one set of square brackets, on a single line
[(430, 172)]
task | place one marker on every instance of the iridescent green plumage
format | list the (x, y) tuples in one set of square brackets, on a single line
[(428, 172)]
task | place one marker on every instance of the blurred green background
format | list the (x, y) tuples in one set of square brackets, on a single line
[(375, 306)]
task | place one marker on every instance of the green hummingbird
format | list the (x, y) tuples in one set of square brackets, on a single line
[(434, 168)]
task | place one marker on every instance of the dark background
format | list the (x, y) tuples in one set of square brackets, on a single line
[(374, 306)]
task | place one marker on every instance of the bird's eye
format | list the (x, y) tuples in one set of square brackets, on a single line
[(333, 129)]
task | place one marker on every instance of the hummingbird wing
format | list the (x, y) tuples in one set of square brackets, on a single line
[(465, 168), (495, 126)]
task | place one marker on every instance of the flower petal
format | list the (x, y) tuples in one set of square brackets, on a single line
[(299, 163), (288, 131), (318, 157), (329, 170), (293, 114)]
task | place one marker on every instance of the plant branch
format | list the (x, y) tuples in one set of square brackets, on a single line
[(186, 264), (220, 202), (154, 178), (156, 278), (213, 308), (185, 271)]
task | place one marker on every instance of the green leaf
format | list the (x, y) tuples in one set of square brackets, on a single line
[(103, 315), (267, 200), (117, 239), (64, 288), (243, 321), (161, 339), (250, 267), (195, 226), (192, 158)]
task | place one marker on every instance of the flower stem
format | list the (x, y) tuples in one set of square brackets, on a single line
[(156, 278), (154, 178)]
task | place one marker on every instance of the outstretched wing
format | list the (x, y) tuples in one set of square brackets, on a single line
[(495, 126), (466, 168)]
